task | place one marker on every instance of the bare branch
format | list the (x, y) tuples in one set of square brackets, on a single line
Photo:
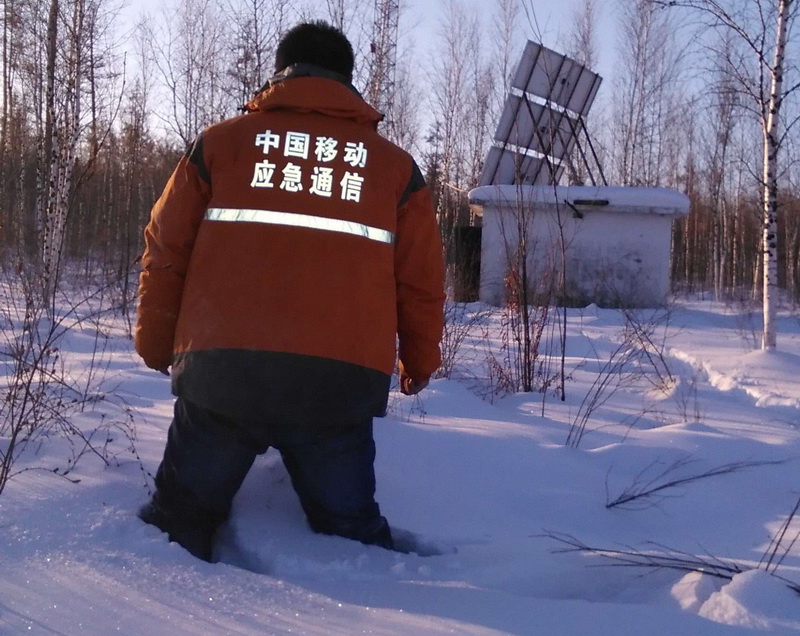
[(638, 491), (663, 558)]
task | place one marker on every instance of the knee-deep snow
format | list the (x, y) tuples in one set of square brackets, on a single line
[(482, 486)]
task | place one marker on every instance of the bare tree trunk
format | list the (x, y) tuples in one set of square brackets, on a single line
[(189, 54), (8, 13), (583, 49), (771, 147), (337, 13), (256, 27), (64, 113), (48, 158), (726, 101), (645, 110), (749, 22)]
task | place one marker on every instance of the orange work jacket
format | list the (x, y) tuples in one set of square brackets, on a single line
[(292, 250)]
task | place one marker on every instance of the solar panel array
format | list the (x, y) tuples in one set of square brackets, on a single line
[(541, 120)]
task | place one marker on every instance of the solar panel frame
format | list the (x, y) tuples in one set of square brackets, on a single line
[(543, 112)]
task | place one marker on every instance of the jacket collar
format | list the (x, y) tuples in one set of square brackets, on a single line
[(311, 88)]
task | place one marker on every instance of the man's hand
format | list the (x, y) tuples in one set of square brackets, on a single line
[(409, 386), (153, 339)]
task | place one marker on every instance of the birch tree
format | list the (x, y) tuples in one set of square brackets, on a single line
[(583, 49), (772, 144), (449, 96), (12, 121), (9, 27), (337, 11), (762, 27), (648, 93), (722, 113), (189, 55), (405, 115), (257, 26), (583, 36), (65, 77), (507, 44)]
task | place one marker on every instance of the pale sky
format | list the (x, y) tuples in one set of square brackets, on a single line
[(422, 19), (554, 19)]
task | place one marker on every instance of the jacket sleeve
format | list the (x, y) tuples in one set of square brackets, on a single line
[(169, 238), (419, 274)]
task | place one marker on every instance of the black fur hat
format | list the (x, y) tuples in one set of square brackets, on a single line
[(316, 43)]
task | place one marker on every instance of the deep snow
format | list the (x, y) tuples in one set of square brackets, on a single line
[(485, 483)]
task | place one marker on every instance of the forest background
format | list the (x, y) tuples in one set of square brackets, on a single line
[(96, 110)]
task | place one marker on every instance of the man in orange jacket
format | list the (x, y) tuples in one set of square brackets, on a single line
[(291, 250)]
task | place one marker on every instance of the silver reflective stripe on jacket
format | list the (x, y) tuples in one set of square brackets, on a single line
[(272, 217)]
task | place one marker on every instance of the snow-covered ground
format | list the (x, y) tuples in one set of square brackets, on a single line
[(493, 495)]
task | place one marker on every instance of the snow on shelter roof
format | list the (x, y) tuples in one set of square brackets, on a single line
[(661, 201)]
